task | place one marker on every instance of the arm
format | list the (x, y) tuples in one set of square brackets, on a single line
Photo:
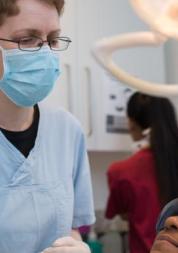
[(121, 191), (124, 216), (83, 204)]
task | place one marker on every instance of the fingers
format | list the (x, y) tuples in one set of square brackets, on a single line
[(65, 241), (68, 245), (59, 250), (66, 250)]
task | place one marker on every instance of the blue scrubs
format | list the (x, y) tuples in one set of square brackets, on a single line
[(44, 196)]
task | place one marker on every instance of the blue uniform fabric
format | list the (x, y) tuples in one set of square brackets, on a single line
[(44, 196)]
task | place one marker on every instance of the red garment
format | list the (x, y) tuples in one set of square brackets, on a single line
[(133, 190)]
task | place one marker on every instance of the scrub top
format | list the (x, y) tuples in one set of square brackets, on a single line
[(44, 196)]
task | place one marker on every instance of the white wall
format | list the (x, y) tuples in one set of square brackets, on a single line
[(171, 66), (99, 162)]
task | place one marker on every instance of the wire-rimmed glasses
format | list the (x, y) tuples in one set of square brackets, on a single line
[(33, 43)]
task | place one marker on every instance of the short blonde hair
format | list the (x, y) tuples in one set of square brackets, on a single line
[(10, 8)]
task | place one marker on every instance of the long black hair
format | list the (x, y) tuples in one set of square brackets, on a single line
[(159, 115)]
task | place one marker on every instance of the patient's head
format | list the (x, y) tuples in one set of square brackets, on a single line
[(167, 228)]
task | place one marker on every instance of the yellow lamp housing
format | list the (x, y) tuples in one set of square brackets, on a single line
[(160, 15)]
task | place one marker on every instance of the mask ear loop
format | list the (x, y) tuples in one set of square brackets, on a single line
[(146, 132), (4, 65)]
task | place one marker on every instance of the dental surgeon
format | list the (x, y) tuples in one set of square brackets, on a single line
[(45, 184)]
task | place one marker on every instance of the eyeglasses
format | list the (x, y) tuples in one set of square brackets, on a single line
[(35, 44)]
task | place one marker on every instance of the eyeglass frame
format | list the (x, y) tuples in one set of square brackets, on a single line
[(67, 39)]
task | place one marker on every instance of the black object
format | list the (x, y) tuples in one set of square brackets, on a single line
[(24, 141)]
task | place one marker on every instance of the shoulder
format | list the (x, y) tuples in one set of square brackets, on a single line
[(60, 118), (129, 166)]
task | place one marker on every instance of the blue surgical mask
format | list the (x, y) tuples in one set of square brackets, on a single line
[(143, 143), (29, 76)]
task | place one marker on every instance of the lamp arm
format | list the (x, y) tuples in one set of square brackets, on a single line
[(104, 49)]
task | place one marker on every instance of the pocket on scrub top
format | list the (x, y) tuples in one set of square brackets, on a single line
[(27, 218)]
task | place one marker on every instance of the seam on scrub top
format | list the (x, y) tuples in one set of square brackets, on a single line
[(38, 230), (55, 216)]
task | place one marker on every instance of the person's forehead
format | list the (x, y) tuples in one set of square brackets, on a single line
[(171, 209), (34, 14), (35, 7)]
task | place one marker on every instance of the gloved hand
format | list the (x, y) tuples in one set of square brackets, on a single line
[(68, 245)]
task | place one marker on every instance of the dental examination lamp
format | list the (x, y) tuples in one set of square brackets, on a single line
[(162, 17)]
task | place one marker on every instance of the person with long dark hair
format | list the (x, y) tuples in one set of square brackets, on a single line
[(142, 184)]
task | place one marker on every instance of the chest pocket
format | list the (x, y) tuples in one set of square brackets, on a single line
[(28, 219)]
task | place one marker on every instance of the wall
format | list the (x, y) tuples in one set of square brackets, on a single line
[(171, 63), (99, 162)]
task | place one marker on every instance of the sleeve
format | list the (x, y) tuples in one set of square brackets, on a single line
[(83, 195), (121, 194)]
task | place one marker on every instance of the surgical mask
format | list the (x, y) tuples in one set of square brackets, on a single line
[(171, 209), (29, 76), (143, 143), (138, 145)]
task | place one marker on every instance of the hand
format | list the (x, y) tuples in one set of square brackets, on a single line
[(68, 245)]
